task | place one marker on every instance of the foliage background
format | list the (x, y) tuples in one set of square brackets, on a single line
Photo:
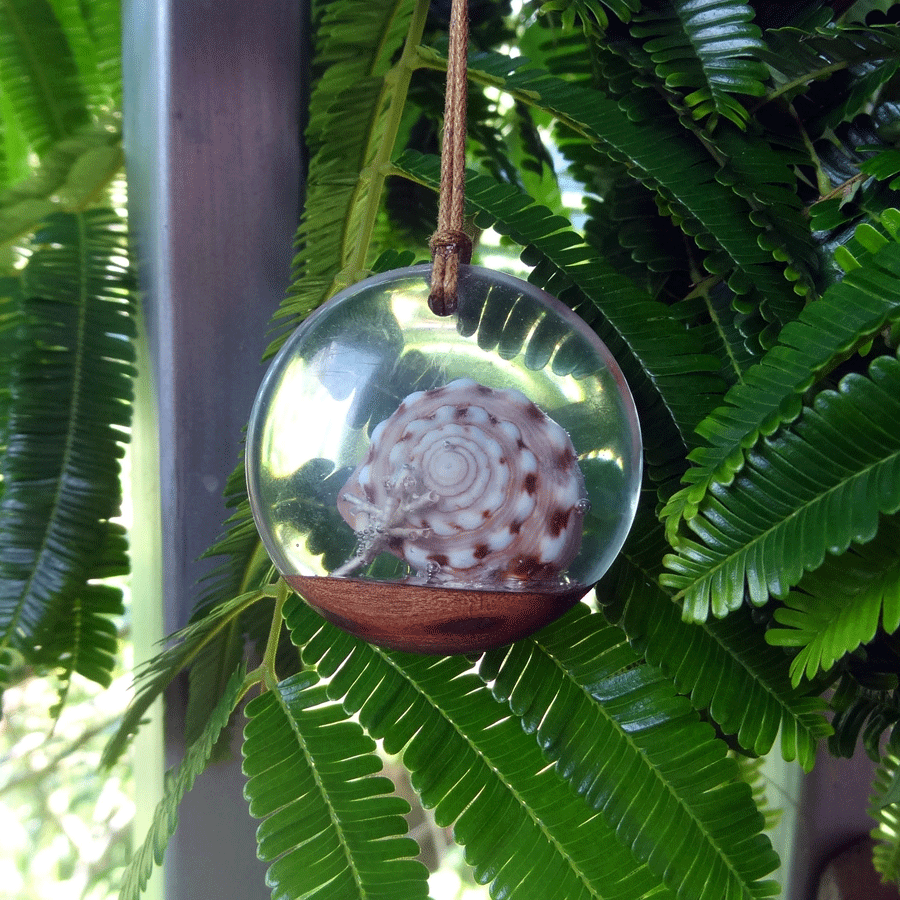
[(738, 251)]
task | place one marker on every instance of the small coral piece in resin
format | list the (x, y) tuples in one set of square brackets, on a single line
[(472, 487)]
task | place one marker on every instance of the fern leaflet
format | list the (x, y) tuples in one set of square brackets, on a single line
[(840, 605), (712, 662), (331, 826), (885, 810), (591, 704), (778, 518), (709, 47), (849, 313), (521, 825), (165, 818)]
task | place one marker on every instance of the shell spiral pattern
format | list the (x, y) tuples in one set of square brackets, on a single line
[(471, 486)]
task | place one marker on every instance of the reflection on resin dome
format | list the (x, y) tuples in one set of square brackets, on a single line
[(494, 449)]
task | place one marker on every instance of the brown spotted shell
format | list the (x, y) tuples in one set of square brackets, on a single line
[(471, 486)]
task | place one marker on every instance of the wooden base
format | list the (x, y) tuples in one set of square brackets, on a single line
[(435, 620)]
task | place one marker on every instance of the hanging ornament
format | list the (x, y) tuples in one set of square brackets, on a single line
[(443, 483), (443, 458)]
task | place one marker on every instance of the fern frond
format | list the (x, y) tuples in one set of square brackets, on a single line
[(331, 826), (708, 48), (241, 567), (521, 825), (865, 57), (160, 671), (885, 810), (751, 772), (779, 516), (661, 154), (353, 116), (841, 604), (849, 313), (70, 403), (84, 637), (712, 662), (94, 34), (165, 818), (599, 714), (72, 174), (38, 73)]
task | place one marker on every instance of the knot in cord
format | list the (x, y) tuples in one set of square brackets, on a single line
[(450, 245), (449, 249)]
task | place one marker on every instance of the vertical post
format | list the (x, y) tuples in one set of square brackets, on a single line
[(212, 108)]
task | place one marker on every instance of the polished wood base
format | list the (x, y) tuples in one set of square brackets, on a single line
[(435, 620)]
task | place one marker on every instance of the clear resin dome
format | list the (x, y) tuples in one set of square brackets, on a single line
[(492, 452)]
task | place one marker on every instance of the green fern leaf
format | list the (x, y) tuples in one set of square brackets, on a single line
[(241, 566), (866, 57), (660, 153), (708, 48), (165, 818), (70, 396), (522, 826), (71, 174), (94, 34), (330, 826), (38, 73), (840, 605), (598, 714), (885, 810), (84, 637), (712, 662), (825, 480), (160, 671), (346, 130), (14, 161), (849, 313)]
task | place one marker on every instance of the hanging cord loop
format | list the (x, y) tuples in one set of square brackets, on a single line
[(450, 245)]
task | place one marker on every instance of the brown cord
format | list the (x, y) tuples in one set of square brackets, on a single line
[(450, 245)]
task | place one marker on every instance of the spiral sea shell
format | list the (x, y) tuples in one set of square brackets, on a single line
[(471, 486)]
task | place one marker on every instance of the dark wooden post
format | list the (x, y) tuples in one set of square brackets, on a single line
[(212, 106)]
